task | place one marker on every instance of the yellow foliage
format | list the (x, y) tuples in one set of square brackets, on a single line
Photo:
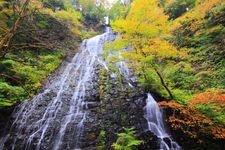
[(144, 19), (160, 48), (69, 18), (4, 17), (2, 3), (146, 28), (133, 55), (118, 44), (197, 14), (36, 4)]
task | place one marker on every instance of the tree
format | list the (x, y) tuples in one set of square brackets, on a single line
[(146, 28), (118, 11), (93, 10), (5, 41), (178, 7)]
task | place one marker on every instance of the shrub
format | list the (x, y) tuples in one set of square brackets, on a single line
[(212, 104), (192, 123), (126, 140), (10, 94)]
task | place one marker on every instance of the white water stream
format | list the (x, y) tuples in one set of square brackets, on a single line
[(54, 119), (156, 125), (153, 114)]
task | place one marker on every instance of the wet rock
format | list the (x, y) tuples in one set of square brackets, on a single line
[(92, 105), (110, 109), (167, 141), (150, 141)]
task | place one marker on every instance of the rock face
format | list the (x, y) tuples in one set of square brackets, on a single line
[(118, 105), (77, 106), (111, 105), (4, 116)]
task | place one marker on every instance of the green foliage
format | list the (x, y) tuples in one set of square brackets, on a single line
[(65, 16), (38, 68), (127, 140), (5, 65), (203, 38), (36, 48), (215, 16), (2, 3), (214, 112), (53, 4), (69, 18), (179, 7), (6, 16), (63, 11), (149, 79), (92, 12), (118, 11), (101, 144), (88, 34), (182, 96), (42, 24), (114, 47), (10, 95), (19, 79), (181, 75), (206, 49)]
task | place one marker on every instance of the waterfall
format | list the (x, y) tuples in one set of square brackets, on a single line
[(55, 118), (107, 20), (153, 114), (156, 125)]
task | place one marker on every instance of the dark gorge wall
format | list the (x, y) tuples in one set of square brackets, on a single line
[(115, 105)]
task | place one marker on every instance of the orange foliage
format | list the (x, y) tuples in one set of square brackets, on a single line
[(218, 132), (191, 122), (36, 4), (214, 96)]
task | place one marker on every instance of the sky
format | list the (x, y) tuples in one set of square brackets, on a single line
[(112, 1)]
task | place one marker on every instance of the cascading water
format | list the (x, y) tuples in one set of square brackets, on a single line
[(153, 115), (54, 119), (156, 125)]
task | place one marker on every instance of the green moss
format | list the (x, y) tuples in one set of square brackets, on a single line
[(5, 103), (88, 34), (182, 96), (214, 112), (42, 24), (23, 72), (10, 95)]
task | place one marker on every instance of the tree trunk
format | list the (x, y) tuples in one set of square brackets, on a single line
[(4, 43), (161, 79), (163, 83)]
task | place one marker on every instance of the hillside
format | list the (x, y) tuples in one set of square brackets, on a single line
[(177, 52), (152, 79)]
